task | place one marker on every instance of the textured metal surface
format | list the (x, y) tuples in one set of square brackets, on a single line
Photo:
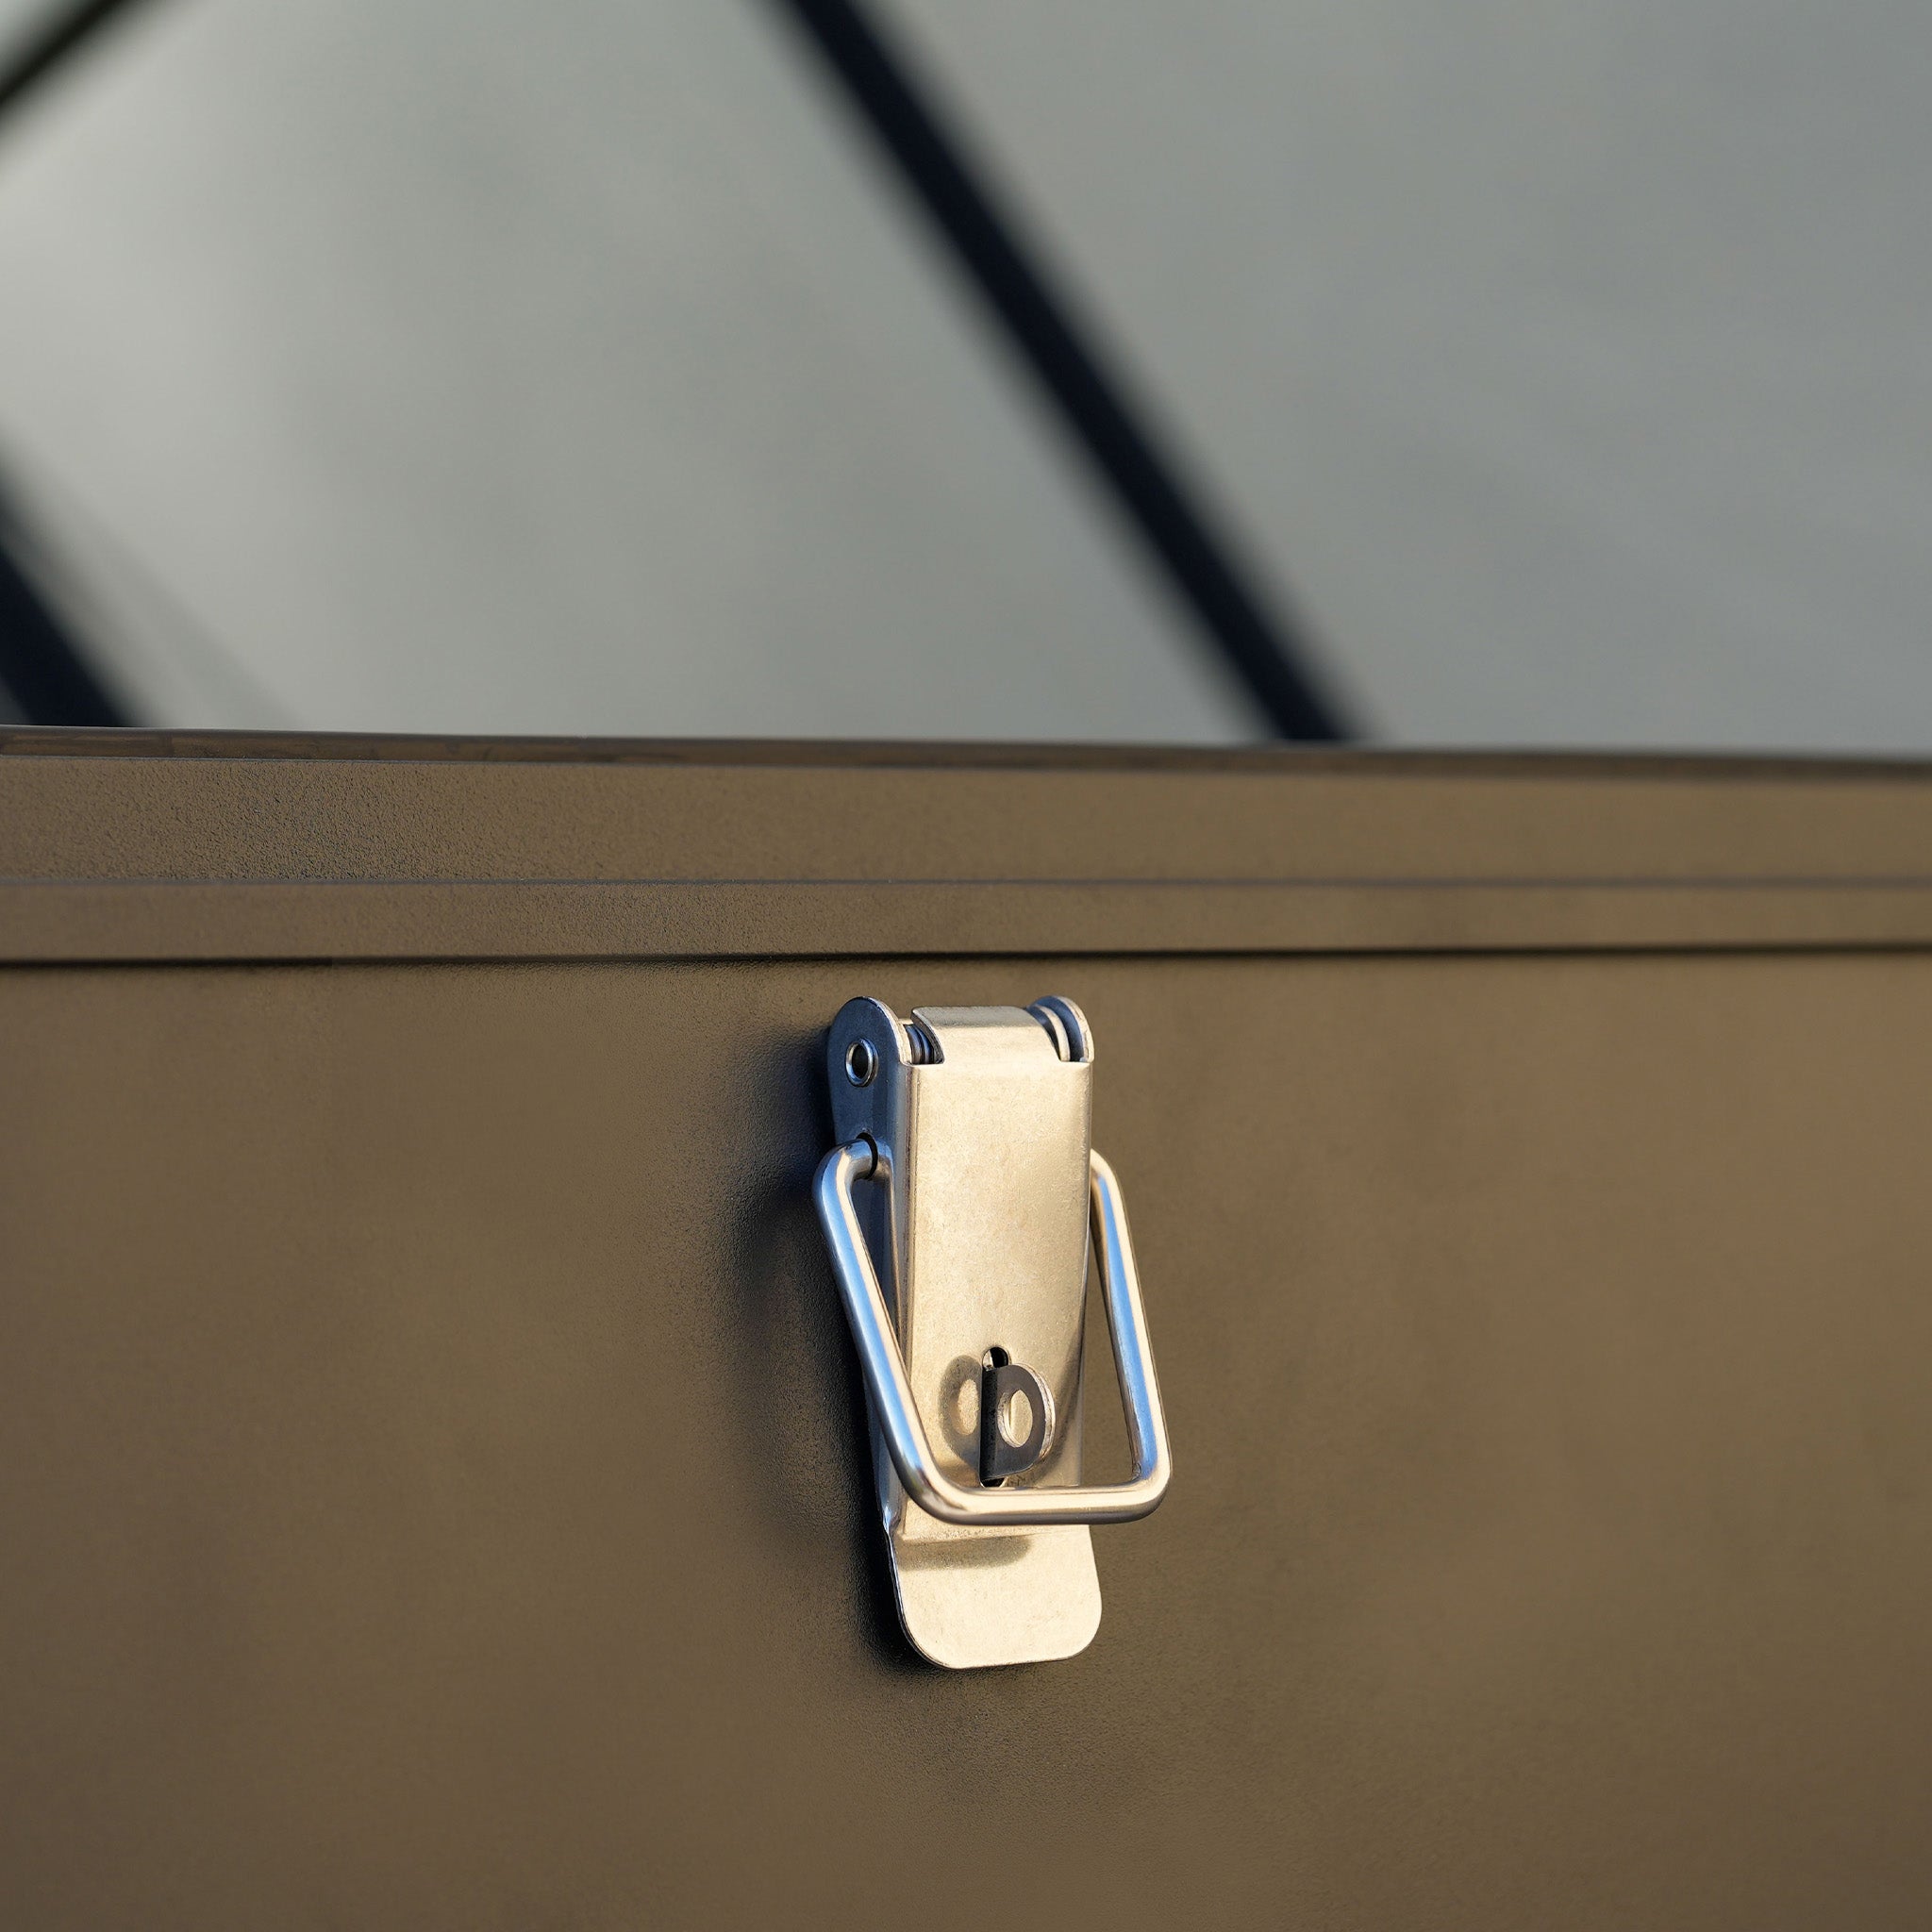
[(988, 1242), (1548, 1341), (505, 920), (984, 1241), (176, 846), (145, 806)]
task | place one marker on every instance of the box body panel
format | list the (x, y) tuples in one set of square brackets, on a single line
[(434, 1484)]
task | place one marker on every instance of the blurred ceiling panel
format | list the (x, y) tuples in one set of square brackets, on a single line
[(497, 368), (1573, 361)]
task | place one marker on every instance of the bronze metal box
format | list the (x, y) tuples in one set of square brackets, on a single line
[(433, 1483)]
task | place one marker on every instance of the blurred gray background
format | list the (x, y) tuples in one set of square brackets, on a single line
[(1565, 370)]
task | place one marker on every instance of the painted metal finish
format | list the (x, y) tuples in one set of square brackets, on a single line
[(430, 1466)]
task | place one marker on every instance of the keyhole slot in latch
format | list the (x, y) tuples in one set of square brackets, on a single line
[(1015, 1418)]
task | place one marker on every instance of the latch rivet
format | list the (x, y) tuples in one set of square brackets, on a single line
[(861, 1062)]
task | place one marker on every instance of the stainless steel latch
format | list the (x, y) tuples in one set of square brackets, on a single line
[(973, 1124)]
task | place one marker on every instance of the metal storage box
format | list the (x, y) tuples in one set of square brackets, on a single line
[(433, 1476)]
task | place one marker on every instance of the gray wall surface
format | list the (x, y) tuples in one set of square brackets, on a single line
[(565, 369), (579, 368), (1574, 360)]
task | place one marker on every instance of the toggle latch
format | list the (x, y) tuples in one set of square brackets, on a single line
[(972, 1125)]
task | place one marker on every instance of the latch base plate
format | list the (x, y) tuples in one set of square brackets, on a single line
[(978, 1229)]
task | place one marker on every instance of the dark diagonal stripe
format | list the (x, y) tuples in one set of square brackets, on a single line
[(1011, 276)]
